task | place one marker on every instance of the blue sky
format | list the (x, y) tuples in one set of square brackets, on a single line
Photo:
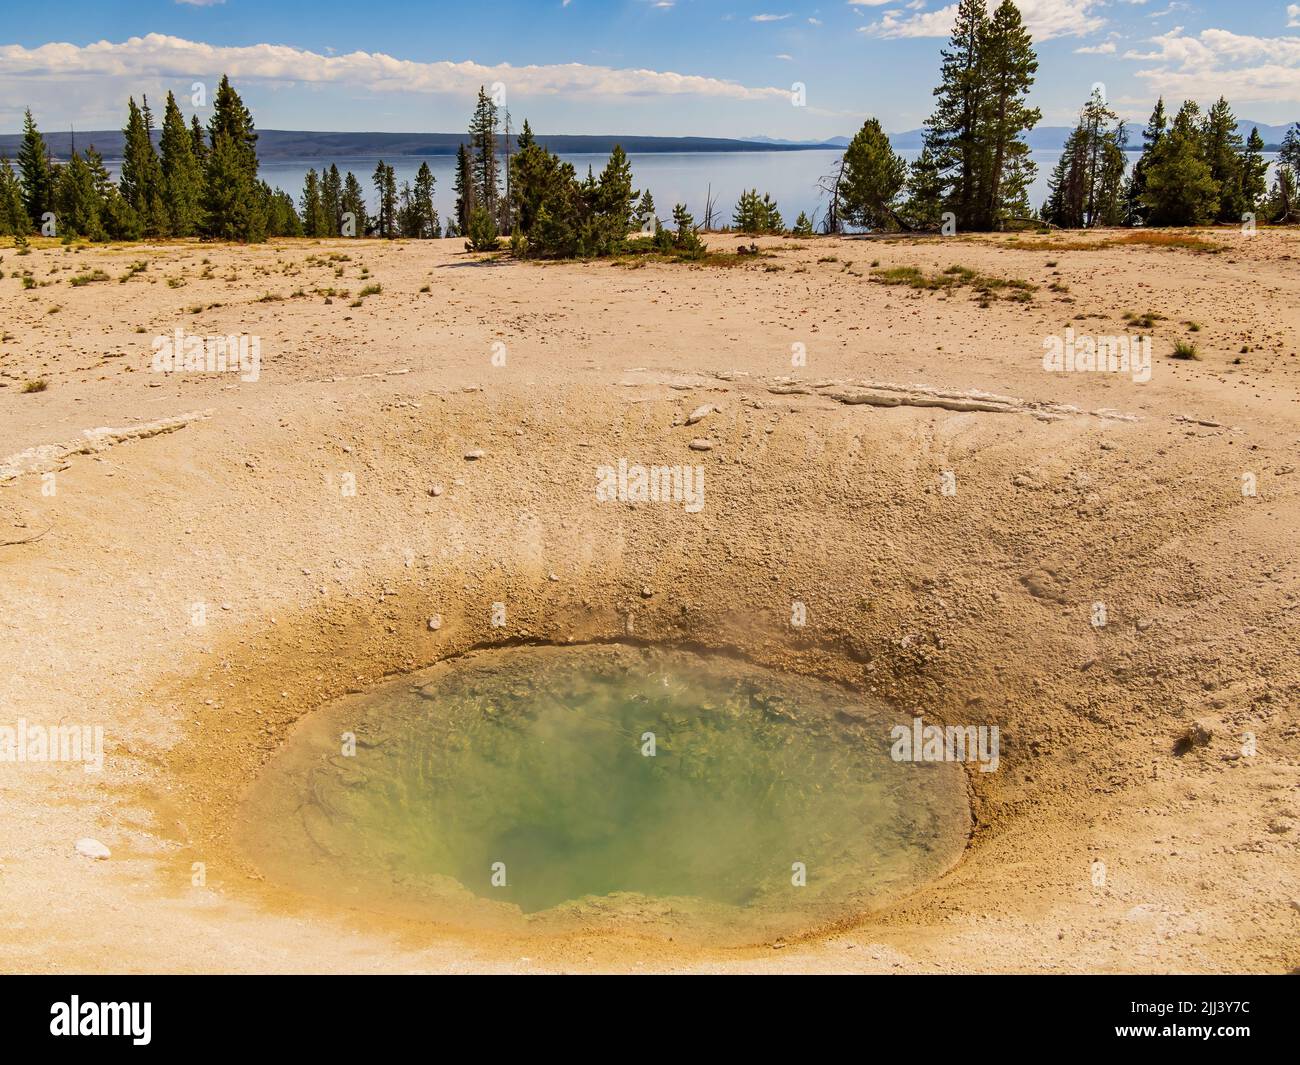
[(673, 67)]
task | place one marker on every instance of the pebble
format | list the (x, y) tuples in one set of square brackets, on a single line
[(435, 623), (701, 444), (699, 414), (473, 456), (92, 848), (436, 490)]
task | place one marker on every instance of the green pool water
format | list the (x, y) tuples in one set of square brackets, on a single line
[(605, 784)]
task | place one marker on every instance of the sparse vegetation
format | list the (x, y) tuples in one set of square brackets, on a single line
[(983, 286)]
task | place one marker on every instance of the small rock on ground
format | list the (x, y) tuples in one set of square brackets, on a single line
[(92, 848)]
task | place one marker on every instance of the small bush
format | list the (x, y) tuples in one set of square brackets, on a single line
[(86, 279), (482, 231)]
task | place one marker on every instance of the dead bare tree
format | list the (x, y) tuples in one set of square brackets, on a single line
[(829, 184), (709, 208)]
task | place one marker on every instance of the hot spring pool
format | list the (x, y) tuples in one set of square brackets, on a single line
[(605, 785)]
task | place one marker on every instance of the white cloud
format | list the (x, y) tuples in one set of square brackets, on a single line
[(209, 3), (1218, 62), (768, 18), (1105, 48), (156, 55), (1293, 15), (1046, 19), (868, 3)]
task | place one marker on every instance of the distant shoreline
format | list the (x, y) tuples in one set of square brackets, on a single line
[(275, 144)]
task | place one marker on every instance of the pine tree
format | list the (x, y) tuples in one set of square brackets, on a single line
[(408, 222), (1180, 189), (1223, 153), (311, 207), (772, 220), (13, 212), (198, 142), (1007, 65), (1284, 206), (923, 206), (331, 193), (424, 216), (120, 221), (534, 174), (614, 201), (234, 205), (281, 217), (464, 188), (953, 133), (385, 181), (1152, 136), (748, 215), (141, 178), (77, 201), (644, 216), (353, 202), (872, 179), (1086, 186), (1254, 170), (483, 235), (803, 226), (686, 239), (483, 141), (181, 173), (37, 173)]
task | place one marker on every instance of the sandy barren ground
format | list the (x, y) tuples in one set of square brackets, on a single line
[(1126, 745)]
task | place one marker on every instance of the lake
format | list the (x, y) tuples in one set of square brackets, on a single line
[(682, 177)]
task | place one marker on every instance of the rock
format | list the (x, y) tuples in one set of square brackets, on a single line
[(1143, 624), (1197, 734), (436, 490), (646, 591), (92, 848), (700, 444), (435, 623), (699, 414), (474, 456)]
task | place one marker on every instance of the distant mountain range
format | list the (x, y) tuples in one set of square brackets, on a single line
[(275, 144)]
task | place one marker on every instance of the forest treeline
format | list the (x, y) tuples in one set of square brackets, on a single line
[(973, 173), (974, 169)]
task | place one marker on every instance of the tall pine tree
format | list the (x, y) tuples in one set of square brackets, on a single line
[(234, 204), (182, 174), (36, 171), (483, 142)]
